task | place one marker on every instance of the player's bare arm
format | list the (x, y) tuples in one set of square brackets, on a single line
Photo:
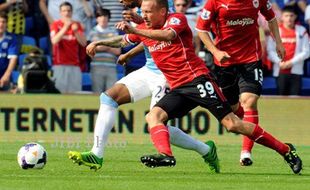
[(160, 35), (274, 29), (114, 42), (221, 56), (124, 58)]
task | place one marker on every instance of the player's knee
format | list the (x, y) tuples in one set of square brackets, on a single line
[(249, 101), (232, 124), (119, 93), (105, 99), (150, 117)]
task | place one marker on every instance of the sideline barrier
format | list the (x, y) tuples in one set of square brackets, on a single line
[(71, 118)]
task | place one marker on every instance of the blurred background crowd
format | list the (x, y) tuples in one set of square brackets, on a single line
[(42, 44)]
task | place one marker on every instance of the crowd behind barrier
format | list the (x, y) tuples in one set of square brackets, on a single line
[(36, 18)]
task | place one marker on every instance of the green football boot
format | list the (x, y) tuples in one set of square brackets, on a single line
[(211, 158), (86, 158)]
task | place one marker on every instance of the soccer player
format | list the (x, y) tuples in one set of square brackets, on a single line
[(145, 82), (169, 40), (237, 54)]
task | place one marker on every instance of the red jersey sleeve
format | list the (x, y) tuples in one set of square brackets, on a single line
[(206, 16), (266, 10), (131, 38), (177, 22)]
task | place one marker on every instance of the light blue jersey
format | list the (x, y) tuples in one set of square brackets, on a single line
[(150, 64)]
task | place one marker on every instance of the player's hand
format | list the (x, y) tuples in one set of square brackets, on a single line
[(125, 27), (122, 59), (280, 51), (91, 49), (221, 56), (129, 15)]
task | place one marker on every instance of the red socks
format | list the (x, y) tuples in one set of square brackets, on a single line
[(239, 112), (262, 137), (160, 137), (252, 117)]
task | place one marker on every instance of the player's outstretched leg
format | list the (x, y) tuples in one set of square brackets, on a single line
[(158, 160), (260, 136), (211, 158), (86, 158)]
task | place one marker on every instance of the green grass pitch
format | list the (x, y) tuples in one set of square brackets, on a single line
[(288, 119), (122, 170)]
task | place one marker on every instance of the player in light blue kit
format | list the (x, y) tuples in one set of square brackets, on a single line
[(144, 82)]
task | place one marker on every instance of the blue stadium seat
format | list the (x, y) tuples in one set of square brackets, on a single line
[(28, 25), (44, 44), (14, 77), (86, 82), (305, 89), (27, 40), (269, 86), (21, 59)]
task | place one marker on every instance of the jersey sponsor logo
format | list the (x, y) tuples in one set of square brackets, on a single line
[(288, 40), (159, 46), (174, 21), (205, 14), (255, 3), (269, 5), (242, 22)]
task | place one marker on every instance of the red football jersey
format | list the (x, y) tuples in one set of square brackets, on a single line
[(66, 51), (288, 37), (176, 58), (234, 23)]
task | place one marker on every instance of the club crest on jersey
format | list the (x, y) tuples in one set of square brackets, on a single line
[(5, 45), (269, 5), (255, 3), (174, 21), (205, 14)]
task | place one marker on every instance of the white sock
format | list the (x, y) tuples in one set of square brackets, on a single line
[(104, 123), (183, 140)]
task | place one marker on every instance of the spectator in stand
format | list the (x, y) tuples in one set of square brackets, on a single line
[(296, 43), (15, 10), (103, 66), (299, 6), (67, 36), (8, 53), (114, 6), (83, 11)]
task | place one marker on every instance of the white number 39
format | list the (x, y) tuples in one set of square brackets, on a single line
[(205, 89)]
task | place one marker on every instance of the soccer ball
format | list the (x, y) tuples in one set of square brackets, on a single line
[(31, 155)]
